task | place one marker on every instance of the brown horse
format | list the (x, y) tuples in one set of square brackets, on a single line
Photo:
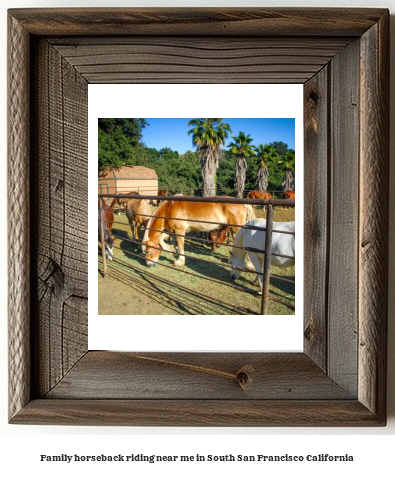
[(288, 195), (259, 195), (161, 192), (186, 216), (107, 218), (123, 201), (138, 213), (107, 214), (218, 235)]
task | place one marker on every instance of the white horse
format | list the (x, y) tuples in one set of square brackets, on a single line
[(283, 244)]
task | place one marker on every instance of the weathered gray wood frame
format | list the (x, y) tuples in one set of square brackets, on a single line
[(342, 58)]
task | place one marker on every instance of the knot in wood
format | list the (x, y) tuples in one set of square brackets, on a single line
[(244, 376), (308, 332), (313, 96)]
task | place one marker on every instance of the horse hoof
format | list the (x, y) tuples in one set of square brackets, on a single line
[(178, 264)]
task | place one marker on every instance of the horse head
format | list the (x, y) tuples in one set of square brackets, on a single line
[(108, 245), (152, 253), (218, 235), (237, 258), (234, 274)]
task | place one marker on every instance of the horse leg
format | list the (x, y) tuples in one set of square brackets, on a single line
[(180, 262), (140, 236), (174, 241), (135, 229), (166, 247), (131, 226), (258, 265)]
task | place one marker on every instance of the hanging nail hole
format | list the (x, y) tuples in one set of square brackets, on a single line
[(244, 376)]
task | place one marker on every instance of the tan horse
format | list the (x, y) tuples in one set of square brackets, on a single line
[(138, 213), (185, 216), (123, 201)]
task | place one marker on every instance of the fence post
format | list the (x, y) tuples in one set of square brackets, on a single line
[(268, 260), (103, 246)]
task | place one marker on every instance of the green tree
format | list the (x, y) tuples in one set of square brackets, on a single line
[(209, 134), (242, 148), (226, 173), (168, 154), (280, 147), (265, 155), (130, 127), (152, 155), (120, 142), (287, 164)]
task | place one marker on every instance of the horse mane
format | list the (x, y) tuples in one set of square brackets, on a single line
[(250, 212), (160, 211)]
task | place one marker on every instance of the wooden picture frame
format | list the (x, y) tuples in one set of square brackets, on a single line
[(342, 58)]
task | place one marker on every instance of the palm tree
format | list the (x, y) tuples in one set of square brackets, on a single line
[(209, 134), (287, 164), (266, 155), (242, 149)]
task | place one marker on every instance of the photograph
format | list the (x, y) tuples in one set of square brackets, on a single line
[(210, 255)]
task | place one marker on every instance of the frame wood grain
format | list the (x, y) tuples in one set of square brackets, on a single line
[(342, 58)]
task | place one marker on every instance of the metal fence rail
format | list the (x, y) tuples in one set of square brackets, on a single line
[(270, 203), (196, 192)]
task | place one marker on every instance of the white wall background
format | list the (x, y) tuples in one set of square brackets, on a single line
[(22, 445)]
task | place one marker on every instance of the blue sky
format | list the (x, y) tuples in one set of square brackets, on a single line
[(173, 132)]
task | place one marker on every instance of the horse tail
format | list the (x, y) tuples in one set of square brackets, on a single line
[(250, 213)]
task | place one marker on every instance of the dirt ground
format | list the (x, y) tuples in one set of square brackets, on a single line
[(131, 288)]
